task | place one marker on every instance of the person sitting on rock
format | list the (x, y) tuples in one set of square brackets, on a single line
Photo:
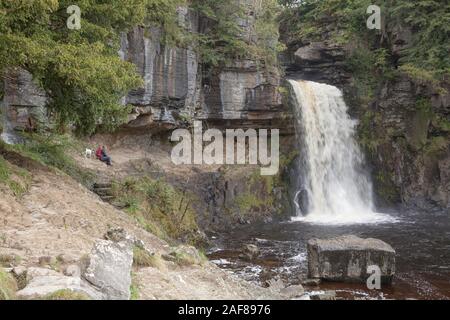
[(103, 156), (98, 153)]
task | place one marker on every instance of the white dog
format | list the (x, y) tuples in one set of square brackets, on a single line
[(88, 153)]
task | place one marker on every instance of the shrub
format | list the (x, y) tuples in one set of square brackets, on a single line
[(9, 260), (8, 286), (53, 150), (187, 256), (142, 258), (134, 289), (158, 207), (15, 178)]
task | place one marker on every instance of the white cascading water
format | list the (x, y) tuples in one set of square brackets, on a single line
[(338, 191)]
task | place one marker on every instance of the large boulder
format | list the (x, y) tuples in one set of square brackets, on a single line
[(43, 282), (108, 268), (346, 258)]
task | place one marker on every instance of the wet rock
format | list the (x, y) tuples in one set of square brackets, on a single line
[(291, 292), (250, 252), (327, 295), (108, 268), (185, 255), (311, 282), (243, 221), (346, 259), (318, 61)]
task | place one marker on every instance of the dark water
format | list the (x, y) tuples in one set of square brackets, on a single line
[(421, 240)]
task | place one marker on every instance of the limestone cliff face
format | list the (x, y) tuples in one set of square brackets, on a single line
[(409, 148), (413, 157), (176, 83), (23, 105), (242, 93), (320, 61), (170, 74)]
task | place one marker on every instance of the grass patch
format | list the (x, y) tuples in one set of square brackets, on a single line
[(143, 259), (188, 256), (259, 195), (9, 260), (66, 294), (54, 151), (8, 286), (134, 288), (248, 201), (158, 207), (16, 179), (437, 145)]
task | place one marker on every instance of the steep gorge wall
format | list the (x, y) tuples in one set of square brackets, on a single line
[(177, 86), (404, 128), (23, 104)]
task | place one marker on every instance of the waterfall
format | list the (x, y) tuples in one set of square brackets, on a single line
[(334, 187)]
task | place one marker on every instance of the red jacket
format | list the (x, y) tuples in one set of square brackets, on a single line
[(98, 153)]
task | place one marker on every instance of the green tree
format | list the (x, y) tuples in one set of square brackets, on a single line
[(79, 69)]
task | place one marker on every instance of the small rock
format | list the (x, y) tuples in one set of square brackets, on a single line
[(250, 252), (267, 219), (20, 273), (243, 221), (46, 260), (66, 258), (276, 284), (72, 270), (293, 291), (327, 295), (168, 257), (311, 282), (120, 235), (116, 235)]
